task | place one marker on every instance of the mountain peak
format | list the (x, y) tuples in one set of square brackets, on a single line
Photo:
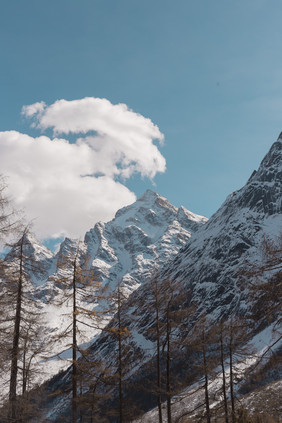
[(149, 230), (262, 192), (32, 247), (271, 166), (280, 137), (150, 199), (149, 195)]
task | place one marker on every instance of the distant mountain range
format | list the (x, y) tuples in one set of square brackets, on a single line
[(141, 237)]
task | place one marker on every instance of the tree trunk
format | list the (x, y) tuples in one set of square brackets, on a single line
[(159, 387), (207, 402), (120, 360), (74, 350), (223, 378), (15, 349), (24, 369), (231, 373), (168, 385)]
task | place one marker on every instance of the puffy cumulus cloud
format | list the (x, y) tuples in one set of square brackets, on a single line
[(50, 180), (122, 137), (68, 186)]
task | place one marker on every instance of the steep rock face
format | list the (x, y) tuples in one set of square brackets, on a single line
[(262, 193), (210, 268), (126, 249), (233, 237)]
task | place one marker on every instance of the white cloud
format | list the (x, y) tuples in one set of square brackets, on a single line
[(33, 109), (122, 137), (68, 187)]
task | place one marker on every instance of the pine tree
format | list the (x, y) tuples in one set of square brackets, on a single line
[(169, 316), (156, 297), (80, 291), (10, 221), (120, 336), (20, 326)]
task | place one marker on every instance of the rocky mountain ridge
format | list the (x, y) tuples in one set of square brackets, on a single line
[(150, 230), (208, 270), (123, 251)]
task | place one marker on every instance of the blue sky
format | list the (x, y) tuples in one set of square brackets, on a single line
[(207, 74)]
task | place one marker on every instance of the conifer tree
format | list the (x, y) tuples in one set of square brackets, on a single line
[(20, 325), (10, 221), (120, 335), (224, 390), (156, 294), (169, 315), (79, 293)]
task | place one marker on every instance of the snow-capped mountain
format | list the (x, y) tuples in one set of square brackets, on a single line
[(207, 271), (211, 264), (141, 237), (124, 251), (41, 263), (151, 231), (211, 267)]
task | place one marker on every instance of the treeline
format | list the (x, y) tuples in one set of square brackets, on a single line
[(117, 379)]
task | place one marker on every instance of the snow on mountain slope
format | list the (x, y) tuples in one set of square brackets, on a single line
[(208, 270), (41, 261), (191, 401), (209, 266), (124, 250), (233, 237)]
